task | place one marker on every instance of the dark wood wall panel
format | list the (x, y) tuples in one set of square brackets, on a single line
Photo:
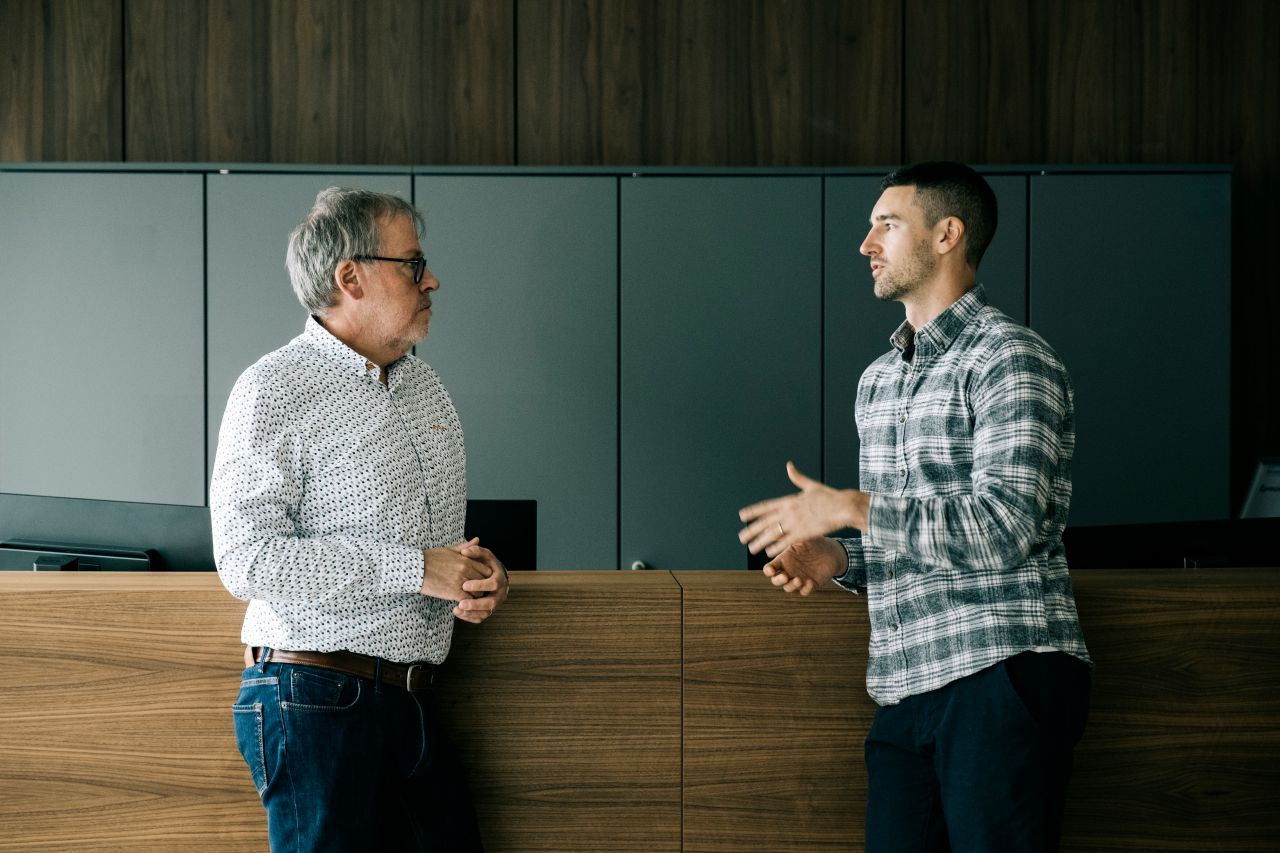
[(1004, 81), (60, 80), (776, 83), (970, 91), (385, 82)]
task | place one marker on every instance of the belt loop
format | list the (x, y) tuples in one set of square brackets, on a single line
[(264, 657), (377, 676)]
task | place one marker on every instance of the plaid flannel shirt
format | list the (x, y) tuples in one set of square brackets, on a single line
[(967, 432)]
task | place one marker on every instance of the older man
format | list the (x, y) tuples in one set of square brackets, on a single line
[(338, 500)]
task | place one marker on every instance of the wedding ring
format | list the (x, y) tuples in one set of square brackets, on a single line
[(781, 532)]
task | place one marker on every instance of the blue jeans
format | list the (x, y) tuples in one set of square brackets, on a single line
[(344, 763), (980, 764)]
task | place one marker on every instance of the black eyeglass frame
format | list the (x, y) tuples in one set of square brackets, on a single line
[(419, 264)]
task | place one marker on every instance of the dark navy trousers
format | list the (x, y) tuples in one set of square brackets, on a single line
[(980, 764)]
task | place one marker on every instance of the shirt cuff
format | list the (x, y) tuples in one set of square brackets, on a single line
[(854, 578), (402, 570)]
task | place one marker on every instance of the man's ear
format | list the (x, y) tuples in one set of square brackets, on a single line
[(948, 234), (346, 276)]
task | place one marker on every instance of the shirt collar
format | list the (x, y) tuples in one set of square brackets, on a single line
[(938, 334), (338, 352)]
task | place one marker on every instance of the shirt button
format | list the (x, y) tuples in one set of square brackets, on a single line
[(902, 419), (893, 627)]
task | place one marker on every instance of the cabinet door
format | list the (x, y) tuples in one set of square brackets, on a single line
[(102, 336), (858, 325), (1131, 284), (721, 358), (525, 338), (251, 307)]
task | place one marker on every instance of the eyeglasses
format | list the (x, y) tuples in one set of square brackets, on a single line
[(419, 264)]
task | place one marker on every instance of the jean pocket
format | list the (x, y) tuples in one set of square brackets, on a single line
[(320, 690), (257, 691), (251, 741)]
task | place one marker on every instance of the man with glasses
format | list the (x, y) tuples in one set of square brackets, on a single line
[(338, 500)]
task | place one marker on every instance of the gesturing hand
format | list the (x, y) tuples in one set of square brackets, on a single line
[(815, 511), (806, 565)]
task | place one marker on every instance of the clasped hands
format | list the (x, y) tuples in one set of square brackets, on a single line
[(468, 574), (792, 530)]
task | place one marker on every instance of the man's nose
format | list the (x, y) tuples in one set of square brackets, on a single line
[(868, 247)]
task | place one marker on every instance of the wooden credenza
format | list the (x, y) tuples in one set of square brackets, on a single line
[(636, 711)]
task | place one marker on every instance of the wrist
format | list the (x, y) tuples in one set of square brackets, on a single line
[(857, 508)]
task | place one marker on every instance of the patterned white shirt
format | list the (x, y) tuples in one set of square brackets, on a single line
[(326, 489), (967, 430)]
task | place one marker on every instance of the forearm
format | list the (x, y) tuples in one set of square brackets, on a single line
[(969, 532), (287, 568)]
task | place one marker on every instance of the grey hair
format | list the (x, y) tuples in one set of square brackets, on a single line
[(342, 224)]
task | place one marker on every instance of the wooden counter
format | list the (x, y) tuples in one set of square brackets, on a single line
[(630, 711)]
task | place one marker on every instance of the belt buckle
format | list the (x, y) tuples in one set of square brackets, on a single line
[(408, 676)]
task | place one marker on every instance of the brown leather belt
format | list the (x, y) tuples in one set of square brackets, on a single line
[(414, 677)]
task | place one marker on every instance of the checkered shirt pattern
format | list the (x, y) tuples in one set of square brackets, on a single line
[(967, 431)]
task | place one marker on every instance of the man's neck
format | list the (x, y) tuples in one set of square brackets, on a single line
[(345, 332), (937, 296)]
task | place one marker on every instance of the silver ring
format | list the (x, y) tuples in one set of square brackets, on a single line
[(781, 532)]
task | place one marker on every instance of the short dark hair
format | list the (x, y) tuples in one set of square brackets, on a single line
[(952, 189)]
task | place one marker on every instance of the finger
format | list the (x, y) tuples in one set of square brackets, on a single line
[(473, 606), (756, 510), (761, 533), (489, 584), (780, 579), (483, 556), (461, 546), (779, 545), (474, 617), (799, 480)]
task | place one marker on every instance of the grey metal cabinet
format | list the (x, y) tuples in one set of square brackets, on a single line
[(102, 336), (721, 358), (857, 325), (251, 306), (525, 337), (1131, 284)]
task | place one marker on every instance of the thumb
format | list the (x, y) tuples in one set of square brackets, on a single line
[(800, 480)]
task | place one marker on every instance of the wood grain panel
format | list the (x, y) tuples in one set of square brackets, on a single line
[(117, 725), (1182, 751), (773, 82), (775, 713), (321, 81), (855, 113), (999, 81), (567, 708), (62, 87), (198, 81)]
